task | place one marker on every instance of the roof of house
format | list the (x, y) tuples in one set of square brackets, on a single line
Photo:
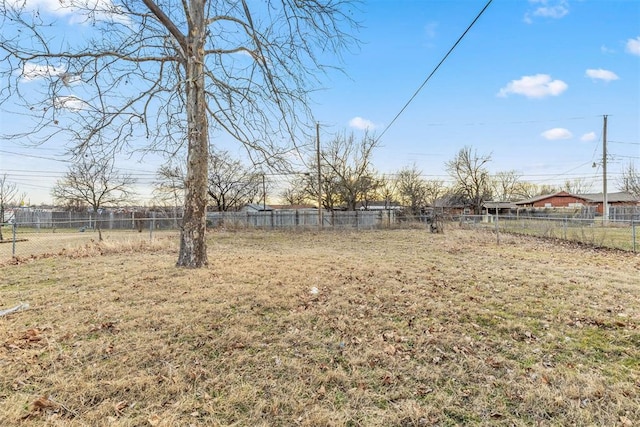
[(590, 198), (612, 197), (257, 207), (293, 207)]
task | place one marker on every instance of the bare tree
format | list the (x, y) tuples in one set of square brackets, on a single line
[(169, 189), (506, 186), (577, 186), (435, 190), (348, 170), (169, 73), (96, 183), (8, 197), (388, 190), (295, 193), (630, 181), (471, 178), (231, 184), (412, 189)]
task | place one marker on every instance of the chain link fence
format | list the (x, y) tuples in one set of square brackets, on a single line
[(51, 233), (615, 234)]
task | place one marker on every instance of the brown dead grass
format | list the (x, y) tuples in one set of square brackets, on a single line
[(407, 329)]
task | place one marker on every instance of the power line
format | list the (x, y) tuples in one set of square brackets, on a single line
[(434, 70), (34, 157)]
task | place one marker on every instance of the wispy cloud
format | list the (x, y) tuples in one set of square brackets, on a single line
[(70, 102), (361, 124), (78, 11), (536, 86), (588, 137), (431, 30), (633, 46), (32, 71), (606, 50), (556, 134), (552, 9), (600, 74)]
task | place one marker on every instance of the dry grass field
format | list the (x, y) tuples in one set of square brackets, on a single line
[(379, 328)]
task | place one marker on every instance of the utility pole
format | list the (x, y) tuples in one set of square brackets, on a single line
[(320, 220), (605, 204)]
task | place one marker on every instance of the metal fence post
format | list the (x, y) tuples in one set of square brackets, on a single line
[(152, 224), (13, 243), (633, 234)]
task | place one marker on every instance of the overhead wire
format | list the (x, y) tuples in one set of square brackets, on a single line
[(444, 58)]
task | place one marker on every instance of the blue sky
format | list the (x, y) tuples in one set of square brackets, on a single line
[(528, 85)]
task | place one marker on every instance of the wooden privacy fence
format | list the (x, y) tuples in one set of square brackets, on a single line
[(303, 218)]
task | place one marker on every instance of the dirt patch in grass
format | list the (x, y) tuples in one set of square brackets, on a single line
[(381, 328)]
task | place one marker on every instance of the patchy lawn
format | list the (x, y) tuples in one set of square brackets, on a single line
[(379, 328)]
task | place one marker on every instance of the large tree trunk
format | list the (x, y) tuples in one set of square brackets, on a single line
[(193, 245)]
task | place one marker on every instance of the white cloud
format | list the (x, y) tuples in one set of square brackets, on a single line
[(604, 49), (536, 86), (70, 102), (547, 9), (32, 71), (557, 133), (78, 11), (430, 30), (601, 74), (362, 124), (588, 137), (633, 46)]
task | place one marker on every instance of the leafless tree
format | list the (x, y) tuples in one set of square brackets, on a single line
[(388, 190), (506, 186), (169, 189), (435, 189), (471, 178), (169, 73), (8, 198), (577, 186), (95, 183), (231, 184), (412, 189), (347, 168), (630, 181), (295, 193), (348, 177)]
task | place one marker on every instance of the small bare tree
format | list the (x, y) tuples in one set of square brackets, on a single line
[(506, 186), (231, 184), (435, 190), (8, 197), (347, 168), (169, 189), (295, 193), (412, 189), (630, 181), (577, 186), (471, 178), (96, 183)]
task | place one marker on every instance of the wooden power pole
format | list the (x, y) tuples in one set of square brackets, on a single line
[(320, 219), (605, 201)]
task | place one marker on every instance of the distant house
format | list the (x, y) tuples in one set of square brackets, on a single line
[(256, 207), (563, 199)]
